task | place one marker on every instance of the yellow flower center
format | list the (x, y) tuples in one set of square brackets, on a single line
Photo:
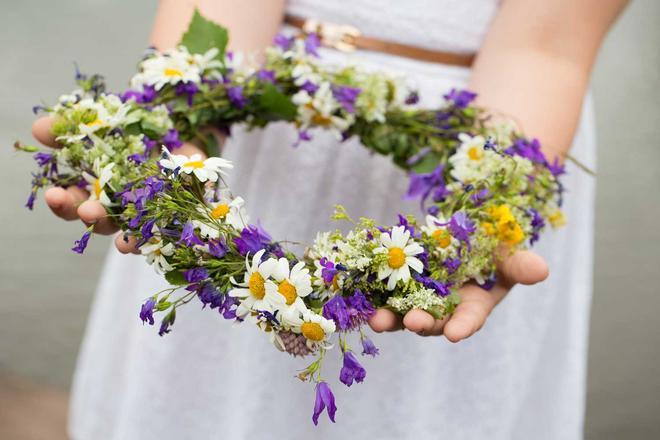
[(312, 331), (475, 153), (220, 211), (194, 164), (288, 291), (97, 189), (173, 72), (256, 285), (442, 238), (320, 120), (396, 257), (95, 122)]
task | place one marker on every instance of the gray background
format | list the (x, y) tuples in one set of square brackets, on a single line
[(46, 289)]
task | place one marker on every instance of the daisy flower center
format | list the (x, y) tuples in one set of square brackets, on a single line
[(97, 188), (442, 238), (173, 72), (288, 291), (95, 122), (220, 211), (312, 331), (194, 164), (256, 285), (396, 257), (475, 153), (319, 119)]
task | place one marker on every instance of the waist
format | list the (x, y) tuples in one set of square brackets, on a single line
[(349, 39)]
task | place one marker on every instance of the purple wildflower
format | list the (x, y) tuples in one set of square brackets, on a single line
[(188, 236), (266, 75), (480, 197), (461, 227), (336, 310), (29, 204), (346, 96), (309, 87), (303, 136), (422, 185), (329, 270), (217, 248), (236, 97), (368, 347), (171, 139), (43, 158), (537, 224), (489, 283), (253, 239), (403, 221), (359, 308), (528, 149), (412, 98), (195, 275), (147, 311), (189, 89), (442, 289), (452, 264), (351, 370), (460, 98), (283, 42), (80, 245), (324, 399), (148, 94), (312, 43), (556, 168)]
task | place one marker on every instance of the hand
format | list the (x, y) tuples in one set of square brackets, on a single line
[(72, 203), (523, 267)]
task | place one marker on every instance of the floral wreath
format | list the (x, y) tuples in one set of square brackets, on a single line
[(479, 182)]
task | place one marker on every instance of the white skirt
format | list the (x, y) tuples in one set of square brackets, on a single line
[(522, 376)]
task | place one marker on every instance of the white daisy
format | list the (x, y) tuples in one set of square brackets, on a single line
[(156, 251), (471, 161), (319, 110), (97, 184), (171, 67), (401, 258), (290, 286), (436, 227), (208, 169), (314, 327), (252, 292), (228, 211)]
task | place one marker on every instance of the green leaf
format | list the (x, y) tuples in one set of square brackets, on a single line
[(175, 278), (427, 163), (275, 105), (203, 34)]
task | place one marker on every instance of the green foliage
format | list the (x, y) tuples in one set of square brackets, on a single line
[(203, 34), (175, 278), (273, 105)]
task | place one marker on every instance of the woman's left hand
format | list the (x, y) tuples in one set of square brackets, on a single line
[(523, 267)]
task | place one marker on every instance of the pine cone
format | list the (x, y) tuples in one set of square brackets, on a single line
[(294, 344)]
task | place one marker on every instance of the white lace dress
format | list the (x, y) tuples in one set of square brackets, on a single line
[(521, 377)]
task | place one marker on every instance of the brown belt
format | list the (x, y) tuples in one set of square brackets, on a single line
[(348, 38)]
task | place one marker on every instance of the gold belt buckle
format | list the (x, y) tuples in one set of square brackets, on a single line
[(338, 36)]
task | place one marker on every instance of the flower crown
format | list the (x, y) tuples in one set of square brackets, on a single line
[(480, 184)]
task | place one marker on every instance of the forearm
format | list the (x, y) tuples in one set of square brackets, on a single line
[(535, 64), (252, 24)]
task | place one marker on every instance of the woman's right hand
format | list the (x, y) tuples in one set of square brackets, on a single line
[(72, 203)]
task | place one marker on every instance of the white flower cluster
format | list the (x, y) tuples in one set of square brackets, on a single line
[(176, 66)]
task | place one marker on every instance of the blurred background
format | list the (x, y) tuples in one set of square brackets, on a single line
[(46, 290)]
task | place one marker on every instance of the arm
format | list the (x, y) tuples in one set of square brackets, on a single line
[(252, 25), (533, 67)]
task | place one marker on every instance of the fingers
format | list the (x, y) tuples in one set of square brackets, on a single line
[(64, 202), (92, 212), (473, 310), (126, 244), (423, 323), (385, 321), (41, 131), (524, 267)]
